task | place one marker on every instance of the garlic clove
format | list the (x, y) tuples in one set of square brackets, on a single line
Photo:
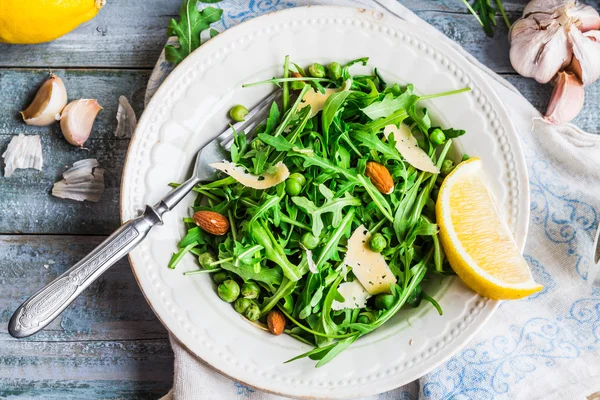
[(587, 18), (567, 99), (47, 104), (539, 47), (77, 119), (586, 55)]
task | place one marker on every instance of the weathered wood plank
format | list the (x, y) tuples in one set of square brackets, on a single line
[(83, 389), (27, 206), (112, 308), (76, 370), (108, 344), (18, 87)]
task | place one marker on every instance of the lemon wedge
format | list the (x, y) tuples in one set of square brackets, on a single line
[(477, 241)]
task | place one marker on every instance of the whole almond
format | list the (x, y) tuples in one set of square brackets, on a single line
[(276, 322), (380, 177), (212, 222)]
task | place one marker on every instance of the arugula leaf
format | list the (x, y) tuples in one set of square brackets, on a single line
[(188, 29), (274, 251), (334, 206), (371, 141), (332, 106), (453, 133), (388, 105)]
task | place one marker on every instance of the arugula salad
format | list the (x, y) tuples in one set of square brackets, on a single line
[(323, 225)]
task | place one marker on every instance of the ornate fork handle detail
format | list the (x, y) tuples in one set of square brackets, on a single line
[(45, 305)]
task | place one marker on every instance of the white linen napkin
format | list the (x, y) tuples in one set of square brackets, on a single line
[(546, 346)]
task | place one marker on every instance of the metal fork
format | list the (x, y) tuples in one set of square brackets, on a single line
[(45, 305)]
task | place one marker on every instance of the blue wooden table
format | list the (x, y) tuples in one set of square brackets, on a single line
[(108, 344)]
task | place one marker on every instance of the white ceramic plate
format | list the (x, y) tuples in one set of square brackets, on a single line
[(191, 107)]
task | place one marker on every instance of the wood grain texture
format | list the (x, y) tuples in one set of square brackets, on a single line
[(107, 344), (27, 205)]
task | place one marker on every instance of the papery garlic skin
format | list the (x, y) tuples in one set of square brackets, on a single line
[(23, 152), (539, 47), (77, 119), (586, 55), (83, 181), (567, 99), (126, 119), (47, 104)]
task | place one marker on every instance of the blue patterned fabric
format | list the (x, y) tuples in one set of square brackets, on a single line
[(546, 346)]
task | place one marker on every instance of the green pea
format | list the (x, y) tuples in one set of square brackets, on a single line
[(220, 277), (297, 85), (316, 70), (465, 157), (309, 241), (447, 167), (252, 312), (292, 187), (238, 113), (241, 305), (298, 177), (334, 71), (377, 243), (228, 291), (206, 259), (250, 290), (384, 301), (437, 137), (363, 319)]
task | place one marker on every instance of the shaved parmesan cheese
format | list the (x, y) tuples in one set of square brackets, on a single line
[(23, 152), (83, 181), (260, 182), (317, 100), (369, 267), (355, 296), (126, 119), (407, 145)]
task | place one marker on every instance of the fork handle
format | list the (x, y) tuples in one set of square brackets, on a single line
[(45, 305)]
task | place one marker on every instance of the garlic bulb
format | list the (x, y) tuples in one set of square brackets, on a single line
[(567, 99), (126, 119), (539, 47), (549, 37), (47, 104), (77, 119), (23, 152), (83, 181)]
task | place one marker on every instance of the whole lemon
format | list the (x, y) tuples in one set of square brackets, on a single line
[(38, 21)]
